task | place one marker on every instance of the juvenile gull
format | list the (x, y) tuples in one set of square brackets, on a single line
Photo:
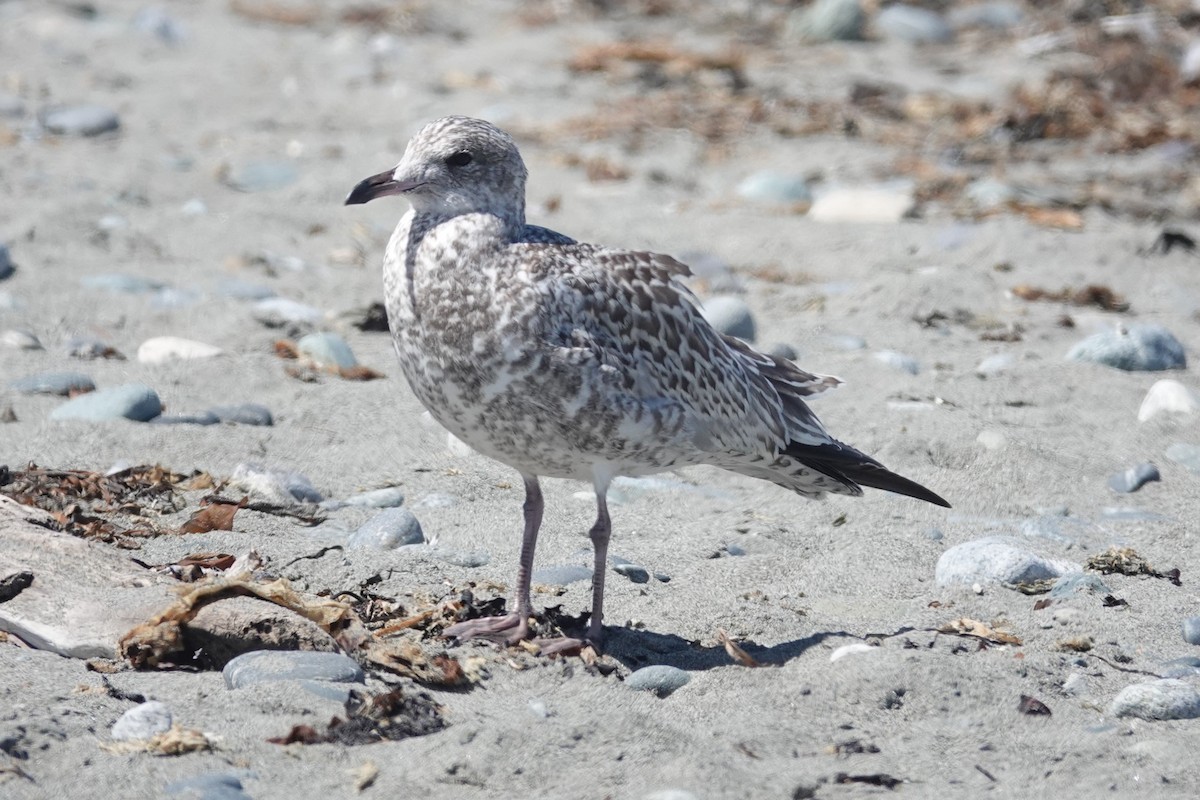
[(572, 360)]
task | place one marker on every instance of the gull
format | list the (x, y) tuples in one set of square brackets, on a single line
[(571, 360)]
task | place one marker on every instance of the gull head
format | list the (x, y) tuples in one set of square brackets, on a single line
[(453, 166)]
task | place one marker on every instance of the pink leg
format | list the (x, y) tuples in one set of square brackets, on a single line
[(513, 627), (599, 534)]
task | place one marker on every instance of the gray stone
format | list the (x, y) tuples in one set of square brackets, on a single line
[(211, 786), (1134, 478), (59, 383), (998, 15), (1185, 455), (730, 315), (996, 559), (277, 485), (782, 350), (268, 666), (388, 497), (770, 187), (712, 272), (562, 574), (1076, 582), (89, 347), (387, 530), (120, 284), (1141, 348), (658, 678), (1163, 699), (634, 572), (243, 414), (133, 401), (7, 268), (912, 24), (265, 175), (1191, 630), (995, 364), (1185, 667), (142, 722), (734, 549), (900, 361), (275, 312), (222, 630), (20, 339), (827, 21), (203, 418), (327, 350), (81, 120), (11, 105)]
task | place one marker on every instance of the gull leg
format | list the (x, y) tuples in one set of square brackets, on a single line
[(599, 535), (514, 627)]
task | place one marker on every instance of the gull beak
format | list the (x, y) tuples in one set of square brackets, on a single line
[(380, 185)]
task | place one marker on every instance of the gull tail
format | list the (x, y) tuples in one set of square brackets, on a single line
[(844, 463)]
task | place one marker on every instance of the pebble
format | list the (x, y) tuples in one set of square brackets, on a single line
[(262, 176), (1076, 582), (635, 573), (900, 361), (244, 290), (658, 678), (714, 272), (828, 21), (268, 666), (7, 268), (1166, 698), (210, 786), (194, 208), (782, 350), (278, 485), (1191, 630), (1134, 478), (388, 497), (1141, 348), (155, 21), (993, 365), (162, 349), (998, 15), (81, 120), (769, 186), (223, 630), (142, 722), (203, 418), (132, 401), (391, 528), (730, 315), (996, 559), (1168, 396), (59, 383), (539, 709), (275, 312), (11, 105), (243, 414), (562, 574), (20, 340), (911, 24), (118, 283), (1189, 63), (89, 347), (327, 350), (992, 439), (888, 203), (470, 559), (1185, 455), (1185, 667)]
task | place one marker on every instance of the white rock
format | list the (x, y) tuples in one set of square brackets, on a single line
[(992, 439), (996, 559), (1189, 66), (863, 204), (994, 364), (21, 340), (161, 349), (1170, 396), (851, 649), (1168, 698), (142, 722)]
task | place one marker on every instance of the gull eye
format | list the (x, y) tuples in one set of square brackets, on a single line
[(460, 159)]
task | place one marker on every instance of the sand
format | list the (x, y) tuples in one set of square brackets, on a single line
[(337, 100)]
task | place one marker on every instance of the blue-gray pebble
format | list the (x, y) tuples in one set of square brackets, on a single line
[(132, 401), (912, 24), (730, 315), (327, 349), (268, 666), (1141, 348), (6, 264), (635, 573), (1134, 478), (59, 383), (82, 120), (658, 678), (1191, 630), (387, 530)]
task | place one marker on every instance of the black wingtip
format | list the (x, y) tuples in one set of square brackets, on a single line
[(845, 463), (891, 482)]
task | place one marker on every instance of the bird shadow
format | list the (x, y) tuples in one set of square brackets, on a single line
[(641, 648)]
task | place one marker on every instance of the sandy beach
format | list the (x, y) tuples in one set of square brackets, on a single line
[(936, 208)]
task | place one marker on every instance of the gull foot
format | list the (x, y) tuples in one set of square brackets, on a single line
[(508, 629)]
